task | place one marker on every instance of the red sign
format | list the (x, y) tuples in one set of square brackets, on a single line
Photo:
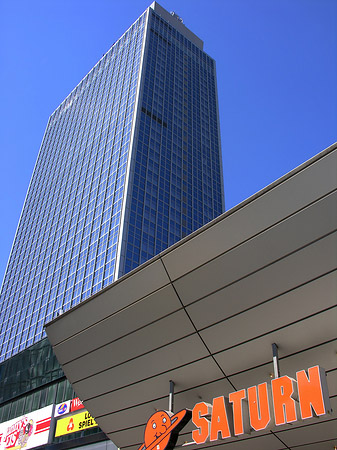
[(28, 431), (76, 404)]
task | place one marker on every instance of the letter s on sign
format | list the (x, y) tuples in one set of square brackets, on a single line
[(200, 410)]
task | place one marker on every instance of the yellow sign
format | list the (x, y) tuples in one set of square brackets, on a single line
[(77, 422)]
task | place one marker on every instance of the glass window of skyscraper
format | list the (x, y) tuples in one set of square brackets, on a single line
[(130, 163)]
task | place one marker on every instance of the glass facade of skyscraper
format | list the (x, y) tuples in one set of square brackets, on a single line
[(177, 178), (129, 164)]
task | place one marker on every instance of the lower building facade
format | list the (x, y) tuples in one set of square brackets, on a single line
[(35, 398)]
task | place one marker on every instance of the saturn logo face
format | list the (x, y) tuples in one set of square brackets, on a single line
[(156, 427), (162, 429)]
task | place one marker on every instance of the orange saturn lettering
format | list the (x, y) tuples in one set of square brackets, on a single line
[(313, 392), (284, 395), (203, 425), (240, 412), (221, 413), (244, 411), (259, 411)]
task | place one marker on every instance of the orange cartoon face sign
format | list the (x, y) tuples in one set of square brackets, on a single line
[(162, 429), (156, 427)]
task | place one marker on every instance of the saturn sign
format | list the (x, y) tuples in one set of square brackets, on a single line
[(253, 409), (260, 407)]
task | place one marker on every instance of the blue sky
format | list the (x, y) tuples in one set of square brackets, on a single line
[(276, 69)]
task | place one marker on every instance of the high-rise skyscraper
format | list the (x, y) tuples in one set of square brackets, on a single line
[(130, 163)]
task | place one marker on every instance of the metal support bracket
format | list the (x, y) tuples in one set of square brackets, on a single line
[(275, 361), (171, 396)]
